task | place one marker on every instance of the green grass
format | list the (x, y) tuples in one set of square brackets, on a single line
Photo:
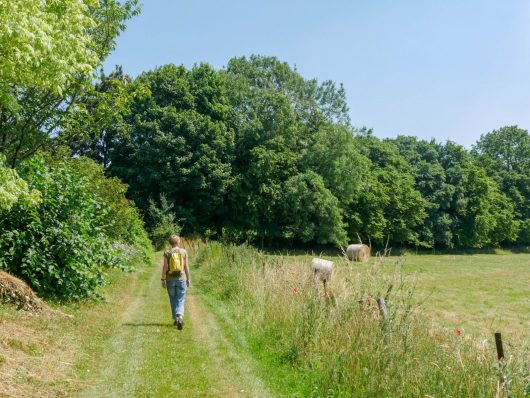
[(479, 293), (125, 346), (256, 327), (140, 355), (308, 346)]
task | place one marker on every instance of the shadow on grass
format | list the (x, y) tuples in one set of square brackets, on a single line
[(163, 325)]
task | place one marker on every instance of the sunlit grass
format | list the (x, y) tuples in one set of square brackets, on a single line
[(312, 345), (480, 293)]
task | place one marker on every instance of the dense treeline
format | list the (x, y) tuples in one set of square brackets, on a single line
[(255, 152)]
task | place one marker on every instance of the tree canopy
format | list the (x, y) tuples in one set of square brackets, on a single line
[(257, 152), (49, 53), (250, 152)]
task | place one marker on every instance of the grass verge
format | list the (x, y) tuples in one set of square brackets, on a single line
[(52, 354), (125, 346)]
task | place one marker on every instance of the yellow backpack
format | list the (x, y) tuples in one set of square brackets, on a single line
[(175, 263)]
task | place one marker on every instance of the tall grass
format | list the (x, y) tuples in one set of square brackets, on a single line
[(334, 343)]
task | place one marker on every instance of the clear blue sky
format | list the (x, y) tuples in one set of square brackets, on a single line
[(450, 69)]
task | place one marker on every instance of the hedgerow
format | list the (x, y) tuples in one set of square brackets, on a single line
[(62, 244)]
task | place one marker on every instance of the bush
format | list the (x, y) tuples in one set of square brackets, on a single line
[(163, 222), (59, 245), (122, 222)]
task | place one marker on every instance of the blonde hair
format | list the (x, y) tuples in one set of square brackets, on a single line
[(174, 239)]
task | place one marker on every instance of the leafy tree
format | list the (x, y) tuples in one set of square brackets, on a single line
[(390, 206), (49, 52), (97, 119), (257, 192), (505, 154), (310, 212), (163, 222), (335, 155), (465, 207), (251, 78), (430, 181), (481, 215), (276, 113), (44, 45), (180, 144)]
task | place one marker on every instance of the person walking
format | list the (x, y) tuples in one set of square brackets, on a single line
[(176, 279)]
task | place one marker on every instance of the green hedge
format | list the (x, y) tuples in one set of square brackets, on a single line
[(63, 242)]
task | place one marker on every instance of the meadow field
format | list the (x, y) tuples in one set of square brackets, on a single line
[(474, 293), (258, 327), (438, 340)]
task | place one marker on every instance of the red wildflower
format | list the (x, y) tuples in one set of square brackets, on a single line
[(330, 293), (295, 290), (458, 332)]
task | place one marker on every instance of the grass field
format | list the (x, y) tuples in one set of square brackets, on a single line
[(124, 346), (438, 341), (256, 328), (479, 294)]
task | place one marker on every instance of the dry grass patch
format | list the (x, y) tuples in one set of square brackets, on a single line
[(17, 292), (49, 353), (36, 355)]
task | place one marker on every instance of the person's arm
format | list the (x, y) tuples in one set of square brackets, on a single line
[(187, 270), (164, 272)]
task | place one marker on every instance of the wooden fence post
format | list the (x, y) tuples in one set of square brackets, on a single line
[(382, 308), (500, 355), (498, 344)]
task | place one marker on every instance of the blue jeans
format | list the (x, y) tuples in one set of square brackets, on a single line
[(177, 294)]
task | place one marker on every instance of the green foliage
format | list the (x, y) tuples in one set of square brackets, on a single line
[(505, 155), (310, 211), (257, 153), (64, 240), (480, 214), (277, 113), (391, 208), (180, 144), (59, 247), (122, 221), (97, 119), (50, 51), (163, 222), (465, 206), (337, 157), (14, 189), (44, 44)]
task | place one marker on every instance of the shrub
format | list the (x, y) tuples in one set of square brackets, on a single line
[(163, 222), (122, 220), (58, 245)]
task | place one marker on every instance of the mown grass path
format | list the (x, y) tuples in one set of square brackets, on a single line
[(147, 357)]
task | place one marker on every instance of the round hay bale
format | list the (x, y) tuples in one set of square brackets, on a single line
[(17, 292), (322, 268), (358, 252)]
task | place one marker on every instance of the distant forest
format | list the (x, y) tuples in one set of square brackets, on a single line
[(255, 152)]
